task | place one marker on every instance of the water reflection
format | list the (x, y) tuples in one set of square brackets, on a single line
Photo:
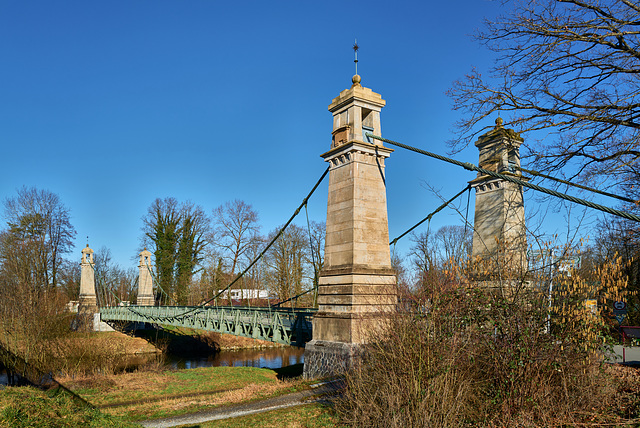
[(272, 358)]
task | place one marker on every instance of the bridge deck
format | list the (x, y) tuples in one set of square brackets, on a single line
[(281, 325)]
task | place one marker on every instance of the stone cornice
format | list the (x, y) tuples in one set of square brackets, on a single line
[(358, 95), (360, 146), (356, 270)]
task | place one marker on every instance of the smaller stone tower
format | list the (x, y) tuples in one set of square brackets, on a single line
[(499, 239), (145, 280), (87, 301)]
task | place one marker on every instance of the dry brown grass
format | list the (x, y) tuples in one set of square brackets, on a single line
[(82, 354), (250, 392)]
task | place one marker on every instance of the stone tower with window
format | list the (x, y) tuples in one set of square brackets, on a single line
[(87, 299), (357, 286)]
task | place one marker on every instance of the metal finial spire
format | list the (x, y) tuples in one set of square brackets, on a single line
[(87, 240), (355, 51)]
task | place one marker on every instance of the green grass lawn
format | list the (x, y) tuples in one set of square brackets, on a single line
[(123, 398), (149, 395), (31, 407)]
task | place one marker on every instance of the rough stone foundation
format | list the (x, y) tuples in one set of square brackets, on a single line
[(325, 359)]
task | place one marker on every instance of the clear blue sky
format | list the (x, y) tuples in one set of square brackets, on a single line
[(113, 104)]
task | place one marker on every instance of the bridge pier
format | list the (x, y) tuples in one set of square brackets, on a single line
[(357, 286)]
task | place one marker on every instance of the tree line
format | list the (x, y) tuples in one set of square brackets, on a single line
[(197, 255)]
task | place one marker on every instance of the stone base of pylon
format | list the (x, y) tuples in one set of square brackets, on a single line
[(145, 301), (328, 359)]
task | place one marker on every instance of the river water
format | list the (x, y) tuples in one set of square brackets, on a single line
[(271, 358)]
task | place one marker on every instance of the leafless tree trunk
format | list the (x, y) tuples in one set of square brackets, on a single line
[(235, 228), (287, 261)]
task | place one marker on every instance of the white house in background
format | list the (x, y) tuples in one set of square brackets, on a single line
[(249, 293)]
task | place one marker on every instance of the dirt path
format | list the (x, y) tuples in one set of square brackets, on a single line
[(283, 401)]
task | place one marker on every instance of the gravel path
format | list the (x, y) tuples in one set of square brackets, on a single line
[(281, 402)]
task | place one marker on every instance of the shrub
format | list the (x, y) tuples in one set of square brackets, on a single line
[(461, 354)]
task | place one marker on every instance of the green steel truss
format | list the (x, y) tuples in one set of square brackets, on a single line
[(281, 325)]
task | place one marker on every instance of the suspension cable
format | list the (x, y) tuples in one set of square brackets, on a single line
[(579, 186), (437, 210), (156, 282), (264, 251), (466, 215), (294, 297), (471, 167), (104, 287), (313, 257)]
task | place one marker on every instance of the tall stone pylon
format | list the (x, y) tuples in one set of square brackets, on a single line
[(87, 307), (145, 280), (499, 238), (87, 300), (357, 285)]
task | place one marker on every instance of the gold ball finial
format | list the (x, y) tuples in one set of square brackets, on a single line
[(499, 122), (356, 78)]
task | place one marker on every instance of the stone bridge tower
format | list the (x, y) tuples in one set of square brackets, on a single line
[(357, 286), (87, 305), (499, 238), (145, 280), (87, 300)]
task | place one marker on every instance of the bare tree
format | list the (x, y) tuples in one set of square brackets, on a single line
[(39, 234), (454, 244), (113, 283), (69, 279), (423, 254), (236, 226), (235, 230), (317, 234), (287, 260), (569, 67)]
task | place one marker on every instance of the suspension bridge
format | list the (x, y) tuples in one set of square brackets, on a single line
[(356, 283)]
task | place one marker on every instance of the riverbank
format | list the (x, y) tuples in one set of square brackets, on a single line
[(154, 389), (219, 392), (147, 395), (236, 407)]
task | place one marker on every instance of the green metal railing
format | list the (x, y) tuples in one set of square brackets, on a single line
[(282, 325)]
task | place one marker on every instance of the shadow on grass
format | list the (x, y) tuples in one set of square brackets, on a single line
[(289, 372)]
